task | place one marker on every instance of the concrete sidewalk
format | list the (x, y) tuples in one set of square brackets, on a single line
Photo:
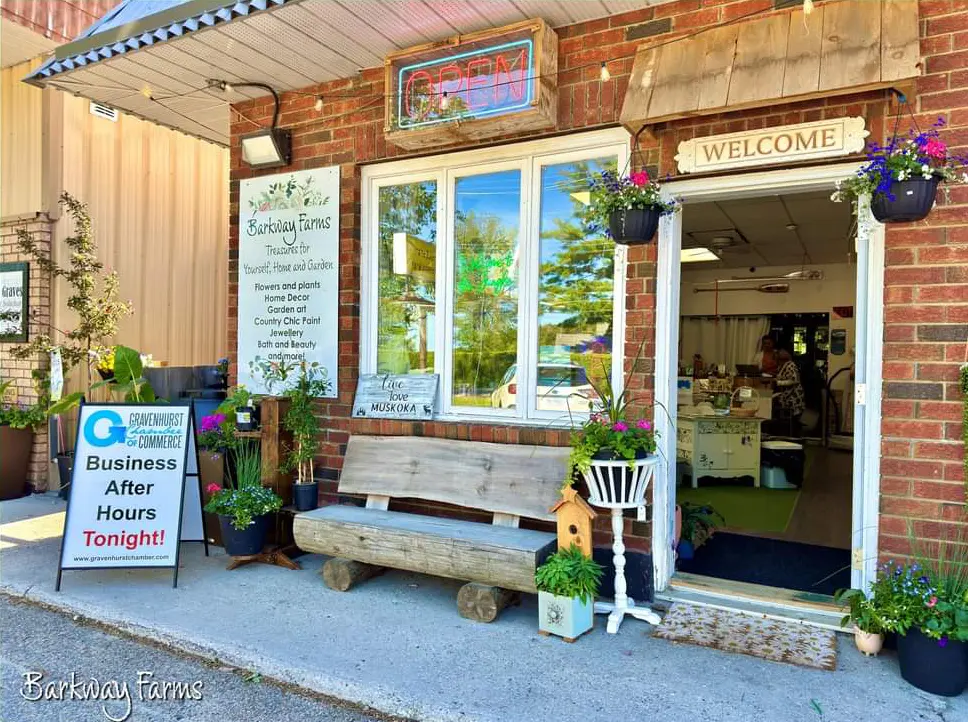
[(397, 644)]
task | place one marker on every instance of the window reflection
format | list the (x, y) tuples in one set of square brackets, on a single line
[(575, 289), (407, 278), (486, 235)]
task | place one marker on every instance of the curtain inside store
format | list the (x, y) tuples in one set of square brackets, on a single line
[(726, 340)]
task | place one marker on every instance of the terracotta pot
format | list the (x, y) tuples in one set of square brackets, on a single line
[(15, 447), (868, 643), (211, 468)]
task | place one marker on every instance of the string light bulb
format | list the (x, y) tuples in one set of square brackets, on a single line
[(146, 91), (318, 105), (807, 7), (444, 101), (604, 74)]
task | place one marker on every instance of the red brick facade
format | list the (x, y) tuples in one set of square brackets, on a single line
[(926, 281)]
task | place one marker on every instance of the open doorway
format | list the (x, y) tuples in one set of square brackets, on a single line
[(767, 327)]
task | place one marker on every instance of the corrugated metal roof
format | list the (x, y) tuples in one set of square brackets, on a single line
[(136, 24)]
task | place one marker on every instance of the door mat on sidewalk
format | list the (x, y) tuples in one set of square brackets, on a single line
[(770, 639)]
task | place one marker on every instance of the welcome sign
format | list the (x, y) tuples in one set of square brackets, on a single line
[(127, 494), (289, 271), (768, 146)]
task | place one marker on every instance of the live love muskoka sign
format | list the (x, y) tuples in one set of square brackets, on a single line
[(385, 396), (783, 144)]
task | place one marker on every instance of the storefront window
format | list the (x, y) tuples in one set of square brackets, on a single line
[(487, 219), (407, 278), (575, 289), (477, 267)]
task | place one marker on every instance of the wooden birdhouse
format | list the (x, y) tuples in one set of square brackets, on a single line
[(575, 519)]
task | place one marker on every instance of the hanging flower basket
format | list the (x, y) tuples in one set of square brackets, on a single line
[(902, 177), (906, 201), (626, 208), (634, 226)]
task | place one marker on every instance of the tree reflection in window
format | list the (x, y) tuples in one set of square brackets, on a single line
[(407, 278)]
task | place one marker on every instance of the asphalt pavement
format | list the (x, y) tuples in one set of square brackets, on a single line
[(120, 679)]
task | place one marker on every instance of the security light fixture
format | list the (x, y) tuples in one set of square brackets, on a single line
[(267, 147)]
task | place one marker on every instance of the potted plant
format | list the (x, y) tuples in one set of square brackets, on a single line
[(243, 508), (902, 177), (699, 523), (311, 381), (626, 208), (567, 584), (94, 298), (242, 406), (222, 371), (215, 437), (17, 424), (865, 616), (927, 606)]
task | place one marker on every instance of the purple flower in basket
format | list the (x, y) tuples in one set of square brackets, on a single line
[(943, 642), (644, 424), (212, 422)]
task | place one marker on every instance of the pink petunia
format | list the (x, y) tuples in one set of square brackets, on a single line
[(932, 602), (639, 179), (620, 426), (643, 424), (213, 488), (934, 148)]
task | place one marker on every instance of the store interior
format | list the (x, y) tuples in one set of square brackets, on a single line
[(765, 391)]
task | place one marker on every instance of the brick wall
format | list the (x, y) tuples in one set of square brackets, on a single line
[(926, 284), (15, 369)]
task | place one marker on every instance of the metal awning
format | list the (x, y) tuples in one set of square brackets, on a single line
[(154, 58)]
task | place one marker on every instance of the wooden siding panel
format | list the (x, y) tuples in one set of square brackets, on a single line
[(804, 45), (159, 202), (900, 48), (759, 63), (851, 53), (21, 146)]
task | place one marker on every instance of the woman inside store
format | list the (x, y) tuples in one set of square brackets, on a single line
[(789, 400), (766, 356)]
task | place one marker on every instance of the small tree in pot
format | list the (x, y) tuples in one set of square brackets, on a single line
[(311, 382), (567, 585)]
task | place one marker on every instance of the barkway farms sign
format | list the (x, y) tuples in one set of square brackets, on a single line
[(385, 396), (784, 144)]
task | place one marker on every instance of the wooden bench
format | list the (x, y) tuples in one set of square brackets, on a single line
[(498, 559)]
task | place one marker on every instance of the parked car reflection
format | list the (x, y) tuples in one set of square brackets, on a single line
[(561, 387)]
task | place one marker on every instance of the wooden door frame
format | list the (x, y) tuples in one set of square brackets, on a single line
[(870, 290)]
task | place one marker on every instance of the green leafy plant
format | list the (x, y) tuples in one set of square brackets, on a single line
[(611, 192), (311, 382), (569, 573), (94, 295), (128, 382), (863, 611), (237, 398), (20, 416), (699, 522), (246, 499)]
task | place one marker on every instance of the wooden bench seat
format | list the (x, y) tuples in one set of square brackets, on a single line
[(497, 555), (497, 559)]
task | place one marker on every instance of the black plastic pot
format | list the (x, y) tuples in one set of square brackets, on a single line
[(633, 226), (305, 496), (65, 466), (244, 542), (931, 667), (913, 201), (247, 418)]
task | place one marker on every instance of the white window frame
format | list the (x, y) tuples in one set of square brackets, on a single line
[(530, 157)]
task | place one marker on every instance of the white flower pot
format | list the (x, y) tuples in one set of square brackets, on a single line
[(567, 617), (867, 643), (616, 484)]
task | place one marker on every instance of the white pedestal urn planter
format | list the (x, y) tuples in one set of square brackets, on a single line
[(617, 485)]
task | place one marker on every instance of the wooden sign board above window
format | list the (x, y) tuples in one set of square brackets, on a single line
[(473, 87)]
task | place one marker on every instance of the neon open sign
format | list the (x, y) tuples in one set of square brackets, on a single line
[(479, 83)]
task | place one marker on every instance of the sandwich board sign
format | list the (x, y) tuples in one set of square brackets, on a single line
[(135, 491)]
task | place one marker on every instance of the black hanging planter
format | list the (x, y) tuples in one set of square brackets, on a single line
[(913, 201), (244, 542), (305, 496), (931, 667), (633, 226)]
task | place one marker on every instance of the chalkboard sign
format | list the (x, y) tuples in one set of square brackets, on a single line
[(388, 396), (14, 295)]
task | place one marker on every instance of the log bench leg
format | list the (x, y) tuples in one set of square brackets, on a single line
[(482, 602), (343, 574)]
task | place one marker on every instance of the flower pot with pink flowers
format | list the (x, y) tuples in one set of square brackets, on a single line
[(627, 208), (902, 177)]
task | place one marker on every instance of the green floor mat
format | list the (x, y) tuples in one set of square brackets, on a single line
[(746, 508)]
